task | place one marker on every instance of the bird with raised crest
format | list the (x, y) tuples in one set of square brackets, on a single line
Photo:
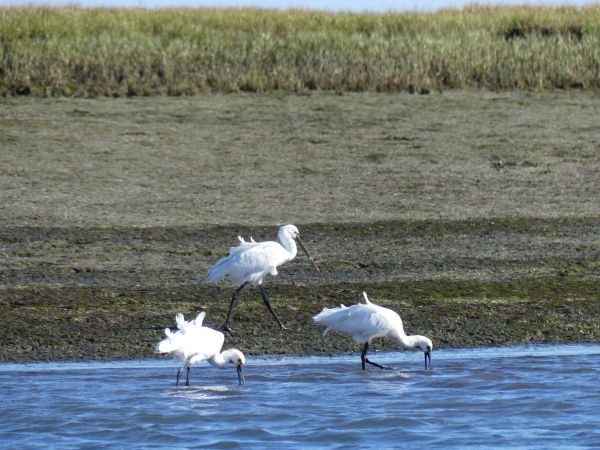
[(193, 343)]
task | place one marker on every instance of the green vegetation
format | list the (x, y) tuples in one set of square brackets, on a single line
[(80, 52)]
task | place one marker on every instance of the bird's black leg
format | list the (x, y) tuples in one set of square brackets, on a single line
[(363, 356), (268, 304), (187, 377), (364, 359), (178, 376), (234, 297), (428, 357)]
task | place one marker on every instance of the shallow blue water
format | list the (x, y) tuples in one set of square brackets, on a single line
[(512, 397)]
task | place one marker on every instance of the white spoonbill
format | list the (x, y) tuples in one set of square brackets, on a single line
[(251, 261), (367, 321), (193, 343)]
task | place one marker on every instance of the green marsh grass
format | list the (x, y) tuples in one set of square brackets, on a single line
[(119, 52)]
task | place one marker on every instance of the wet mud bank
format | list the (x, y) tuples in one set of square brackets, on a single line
[(108, 293), (472, 213)]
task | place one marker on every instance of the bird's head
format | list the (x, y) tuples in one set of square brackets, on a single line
[(292, 231), (237, 359), (424, 344)]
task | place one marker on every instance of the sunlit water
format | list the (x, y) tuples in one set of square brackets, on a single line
[(513, 397)]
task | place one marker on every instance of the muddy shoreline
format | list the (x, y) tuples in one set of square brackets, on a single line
[(474, 214), (530, 281)]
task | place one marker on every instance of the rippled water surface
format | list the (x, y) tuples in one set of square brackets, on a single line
[(514, 397)]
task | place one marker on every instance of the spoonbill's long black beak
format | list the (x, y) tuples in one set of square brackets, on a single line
[(305, 251), (240, 371), (428, 358)]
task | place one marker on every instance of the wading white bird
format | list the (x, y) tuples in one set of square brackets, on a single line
[(193, 343), (251, 261), (367, 321)]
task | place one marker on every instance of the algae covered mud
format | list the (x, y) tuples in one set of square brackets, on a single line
[(473, 214)]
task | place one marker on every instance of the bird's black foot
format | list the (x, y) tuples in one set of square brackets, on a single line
[(226, 329), (378, 365)]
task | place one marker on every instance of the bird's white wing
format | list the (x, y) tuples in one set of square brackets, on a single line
[(233, 251), (185, 325), (260, 255), (199, 319), (203, 343), (362, 322), (192, 343), (182, 324), (244, 246), (243, 241), (248, 262)]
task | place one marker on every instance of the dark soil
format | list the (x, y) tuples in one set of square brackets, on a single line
[(471, 283), (472, 214)]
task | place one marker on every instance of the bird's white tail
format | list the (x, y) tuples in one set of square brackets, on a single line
[(326, 317), (166, 345), (216, 273)]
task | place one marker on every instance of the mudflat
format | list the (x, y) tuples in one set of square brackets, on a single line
[(474, 214)]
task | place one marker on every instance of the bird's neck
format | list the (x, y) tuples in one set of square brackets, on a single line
[(289, 244), (217, 360), (406, 341)]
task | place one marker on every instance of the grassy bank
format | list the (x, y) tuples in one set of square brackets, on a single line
[(80, 52), (473, 214)]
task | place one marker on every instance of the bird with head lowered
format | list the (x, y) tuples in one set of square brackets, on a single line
[(193, 343), (366, 321)]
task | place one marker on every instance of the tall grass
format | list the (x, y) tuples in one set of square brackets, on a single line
[(116, 52)]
